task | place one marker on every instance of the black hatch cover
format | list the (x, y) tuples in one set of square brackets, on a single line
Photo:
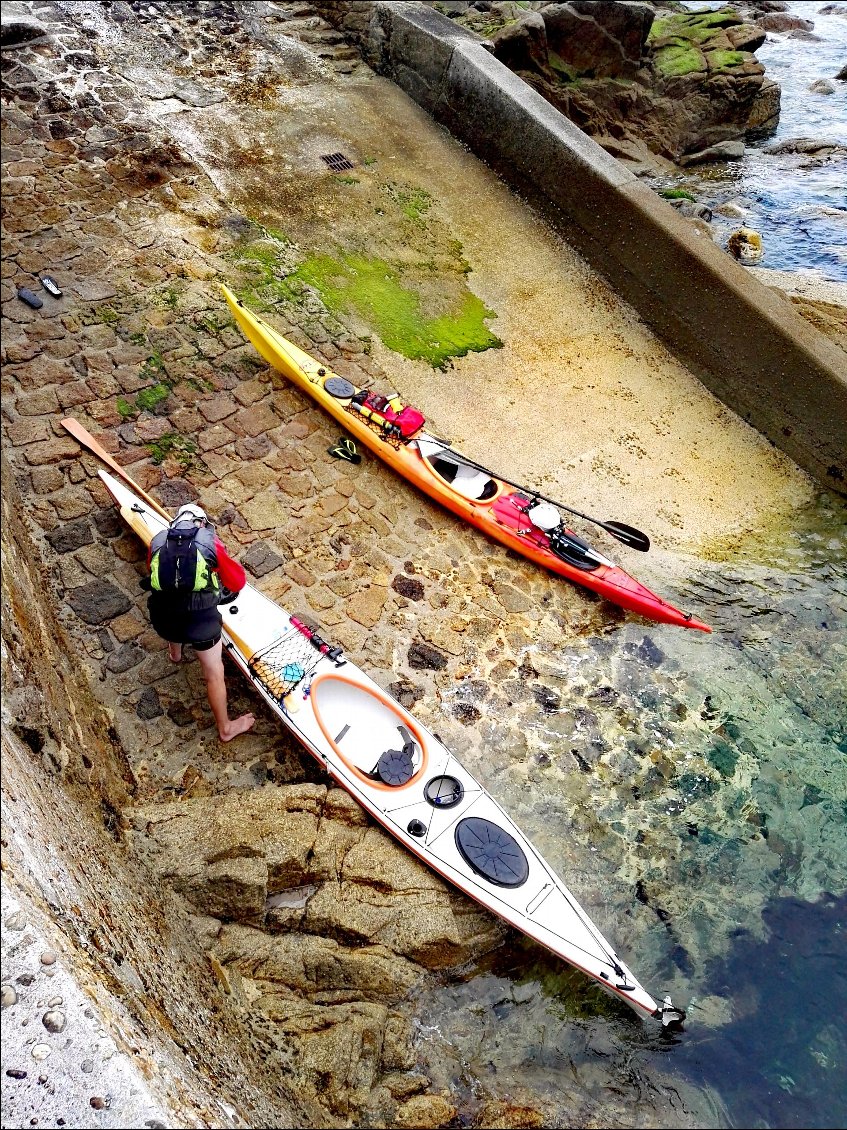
[(492, 852)]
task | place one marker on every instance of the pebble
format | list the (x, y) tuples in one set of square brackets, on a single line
[(41, 1051), (48, 958), (16, 921), (98, 1103), (54, 1021), (87, 1066), (54, 1002), (9, 996)]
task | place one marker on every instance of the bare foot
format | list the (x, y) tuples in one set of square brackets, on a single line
[(175, 652), (237, 726)]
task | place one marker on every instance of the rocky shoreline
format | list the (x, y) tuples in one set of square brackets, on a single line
[(664, 90), (659, 87), (262, 940)]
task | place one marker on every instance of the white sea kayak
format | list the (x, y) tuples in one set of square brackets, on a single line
[(405, 777)]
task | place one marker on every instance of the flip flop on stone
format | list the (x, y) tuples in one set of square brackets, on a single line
[(345, 449), (29, 297), (51, 286)]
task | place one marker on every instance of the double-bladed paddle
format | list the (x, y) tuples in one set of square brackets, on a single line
[(635, 539), (87, 440)]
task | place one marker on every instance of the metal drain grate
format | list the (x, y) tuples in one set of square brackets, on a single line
[(337, 162)]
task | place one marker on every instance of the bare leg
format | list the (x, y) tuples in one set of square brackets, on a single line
[(213, 668), (175, 652)]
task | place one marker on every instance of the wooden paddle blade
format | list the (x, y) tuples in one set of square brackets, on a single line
[(83, 436), (635, 539), (290, 703)]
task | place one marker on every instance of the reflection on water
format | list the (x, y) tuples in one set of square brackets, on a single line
[(692, 791)]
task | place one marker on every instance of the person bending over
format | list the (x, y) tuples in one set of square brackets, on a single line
[(190, 574)]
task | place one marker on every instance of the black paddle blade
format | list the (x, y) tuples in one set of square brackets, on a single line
[(628, 535)]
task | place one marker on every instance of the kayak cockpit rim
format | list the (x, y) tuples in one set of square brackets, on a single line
[(478, 486), (364, 763)]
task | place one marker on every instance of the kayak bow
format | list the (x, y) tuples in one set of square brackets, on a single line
[(394, 432)]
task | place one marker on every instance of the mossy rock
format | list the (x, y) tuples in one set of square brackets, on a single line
[(676, 60), (725, 60), (696, 26)]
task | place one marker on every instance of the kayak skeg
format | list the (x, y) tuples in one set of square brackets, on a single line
[(405, 777), (394, 431)]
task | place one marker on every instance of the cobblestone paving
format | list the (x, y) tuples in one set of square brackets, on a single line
[(140, 350), (488, 650)]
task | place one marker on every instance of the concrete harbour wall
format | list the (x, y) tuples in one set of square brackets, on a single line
[(743, 340)]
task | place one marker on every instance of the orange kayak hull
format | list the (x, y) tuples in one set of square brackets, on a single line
[(498, 514)]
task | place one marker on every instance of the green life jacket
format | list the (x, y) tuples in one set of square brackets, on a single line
[(184, 563)]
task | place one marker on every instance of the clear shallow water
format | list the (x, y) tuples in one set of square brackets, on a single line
[(798, 205), (705, 829)]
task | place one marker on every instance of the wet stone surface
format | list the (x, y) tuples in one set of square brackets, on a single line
[(586, 721), (59, 1064)]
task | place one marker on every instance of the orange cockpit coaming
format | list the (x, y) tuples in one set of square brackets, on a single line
[(369, 778)]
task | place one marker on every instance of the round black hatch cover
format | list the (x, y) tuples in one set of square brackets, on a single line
[(339, 388), (395, 767), (492, 852), (444, 791)]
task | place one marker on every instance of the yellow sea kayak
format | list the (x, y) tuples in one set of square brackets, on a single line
[(394, 431)]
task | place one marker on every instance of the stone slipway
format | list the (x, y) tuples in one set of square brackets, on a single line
[(743, 341), (137, 194)]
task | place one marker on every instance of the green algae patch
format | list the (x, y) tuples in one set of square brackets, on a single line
[(677, 60), (723, 60), (125, 410), (679, 40), (724, 758), (154, 365), (180, 447), (563, 71), (148, 398), (414, 203), (374, 290), (676, 194), (693, 25)]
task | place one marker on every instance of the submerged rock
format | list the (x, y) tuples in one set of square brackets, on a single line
[(745, 245)]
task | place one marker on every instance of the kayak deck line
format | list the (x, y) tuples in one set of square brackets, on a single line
[(405, 777), (479, 496)]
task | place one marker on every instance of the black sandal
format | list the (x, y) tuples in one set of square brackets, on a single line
[(30, 298), (345, 449)]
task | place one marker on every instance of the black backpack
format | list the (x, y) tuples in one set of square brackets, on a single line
[(183, 561)]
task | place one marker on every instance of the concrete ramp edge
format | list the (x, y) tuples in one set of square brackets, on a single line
[(742, 339)]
